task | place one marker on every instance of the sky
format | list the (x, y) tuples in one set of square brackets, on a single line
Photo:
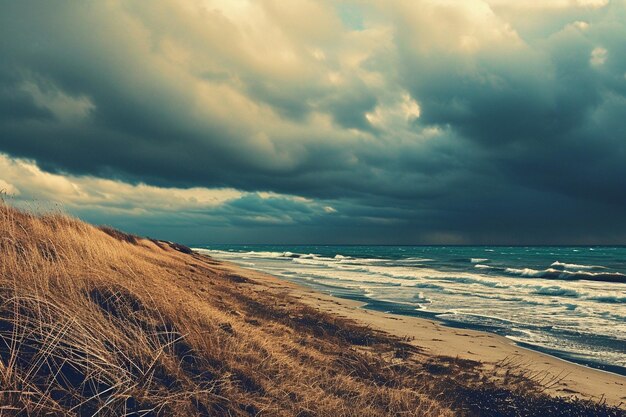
[(336, 122)]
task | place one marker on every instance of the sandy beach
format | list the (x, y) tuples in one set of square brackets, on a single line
[(562, 377)]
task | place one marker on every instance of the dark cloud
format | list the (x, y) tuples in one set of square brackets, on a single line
[(520, 135), (350, 107)]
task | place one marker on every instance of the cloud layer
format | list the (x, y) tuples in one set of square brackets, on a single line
[(409, 121)]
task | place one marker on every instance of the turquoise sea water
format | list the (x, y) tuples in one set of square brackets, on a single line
[(567, 301)]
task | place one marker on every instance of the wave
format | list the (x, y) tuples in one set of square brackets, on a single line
[(525, 272), (427, 286), (478, 260), (552, 273), (261, 254), (342, 278), (557, 270), (315, 262), (473, 280), (293, 255), (610, 299), (562, 266), (556, 291), (361, 261)]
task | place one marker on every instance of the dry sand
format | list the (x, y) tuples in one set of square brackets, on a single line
[(569, 379)]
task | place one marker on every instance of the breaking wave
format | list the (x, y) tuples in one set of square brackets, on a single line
[(609, 299), (562, 266), (556, 291), (478, 260), (553, 273)]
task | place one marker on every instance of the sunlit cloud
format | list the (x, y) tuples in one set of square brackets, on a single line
[(554, 4), (78, 193), (598, 56)]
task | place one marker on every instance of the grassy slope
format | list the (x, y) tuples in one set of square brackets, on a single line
[(94, 321)]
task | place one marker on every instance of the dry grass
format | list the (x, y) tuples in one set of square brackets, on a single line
[(94, 321)]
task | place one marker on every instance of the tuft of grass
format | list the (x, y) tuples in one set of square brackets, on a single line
[(119, 235), (172, 245), (97, 322)]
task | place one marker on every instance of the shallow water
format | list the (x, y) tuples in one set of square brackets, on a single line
[(567, 301)]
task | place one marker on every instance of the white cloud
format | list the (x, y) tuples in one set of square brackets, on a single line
[(394, 111), (8, 189), (444, 26), (410, 108), (552, 4), (79, 192), (581, 25), (598, 57)]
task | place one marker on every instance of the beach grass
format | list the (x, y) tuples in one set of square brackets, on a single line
[(95, 321)]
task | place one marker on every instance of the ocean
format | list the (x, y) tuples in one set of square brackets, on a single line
[(566, 301)]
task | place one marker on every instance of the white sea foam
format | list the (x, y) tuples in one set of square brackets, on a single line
[(563, 265), (361, 261), (263, 254), (416, 260), (554, 290), (478, 260), (552, 273), (611, 299), (525, 272)]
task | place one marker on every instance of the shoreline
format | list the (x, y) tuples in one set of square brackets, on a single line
[(566, 378), (374, 305)]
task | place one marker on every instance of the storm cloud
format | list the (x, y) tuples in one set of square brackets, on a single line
[(486, 121)]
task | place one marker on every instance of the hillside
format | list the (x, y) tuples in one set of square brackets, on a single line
[(94, 321)]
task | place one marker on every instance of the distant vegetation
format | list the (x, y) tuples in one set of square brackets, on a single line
[(94, 321)]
